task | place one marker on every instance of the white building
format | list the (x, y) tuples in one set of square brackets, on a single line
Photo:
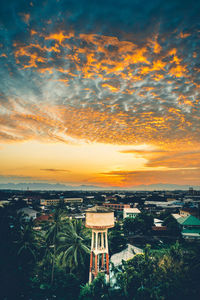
[(51, 202), (157, 222), (130, 212), (28, 212)]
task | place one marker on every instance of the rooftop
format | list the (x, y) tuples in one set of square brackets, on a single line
[(191, 231), (189, 220), (27, 210), (125, 254), (131, 210), (176, 216), (98, 209)]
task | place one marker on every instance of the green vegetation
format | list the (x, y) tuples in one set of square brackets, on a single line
[(171, 275), (117, 240), (38, 264), (52, 262), (172, 225), (141, 224)]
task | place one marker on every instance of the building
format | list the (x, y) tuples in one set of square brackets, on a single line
[(189, 222), (129, 212), (28, 212), (193, 192), (157, 222), (190, 226), (170, 199), (50, 202), (125, 255), (158, 226), (116, 206), (43, 218), (110, 198), (187, 211), (73, 200)]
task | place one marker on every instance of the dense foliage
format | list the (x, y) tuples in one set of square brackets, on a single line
[(171, 274), (141, 224), (52, 262), (172, 226), (117, 240), (46, 262)]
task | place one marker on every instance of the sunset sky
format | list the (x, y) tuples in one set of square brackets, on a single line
[(103, 93)]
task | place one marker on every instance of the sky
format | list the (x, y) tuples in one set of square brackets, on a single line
[(103, 93)]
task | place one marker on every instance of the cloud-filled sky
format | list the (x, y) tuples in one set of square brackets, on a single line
[(100, 92)]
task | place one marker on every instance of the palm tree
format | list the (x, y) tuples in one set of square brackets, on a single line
[(52, 236), (27, 244), (19, 252), (73, 249)]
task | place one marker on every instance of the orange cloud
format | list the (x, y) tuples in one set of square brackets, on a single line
[(100, 60), (111, 87), (147, 177), (184, 35), (60, 36)]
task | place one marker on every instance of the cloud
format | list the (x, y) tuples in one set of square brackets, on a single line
[(54, 170), (129, 78), (143, 151), (187, 159), (172, 158), (174, 176)]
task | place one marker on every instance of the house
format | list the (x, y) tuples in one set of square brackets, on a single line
[(191, 234), (28, 212), (157, 222), (125, 254), (189, 222), (158, 225), (187, 211), (129, 212), (43, 218), (190, 226)]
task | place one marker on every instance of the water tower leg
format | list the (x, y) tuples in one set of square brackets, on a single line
[(102, 260), (96, 267), (107, 268), (91, 263)]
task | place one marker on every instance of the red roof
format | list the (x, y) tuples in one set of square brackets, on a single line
[(43, 218), (159, 228)]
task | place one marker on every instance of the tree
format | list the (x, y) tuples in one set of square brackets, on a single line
[(52, 236), (172, 226), (168, 274), (73, 249), (19, 253), (117, 241), (141, 224), (28, 244), (97, 290)]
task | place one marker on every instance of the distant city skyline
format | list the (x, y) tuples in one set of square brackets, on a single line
[(100, 93)]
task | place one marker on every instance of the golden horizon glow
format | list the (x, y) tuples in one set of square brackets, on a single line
[(92, 163)]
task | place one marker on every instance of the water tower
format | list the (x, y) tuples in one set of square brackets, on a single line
[(99, 219)]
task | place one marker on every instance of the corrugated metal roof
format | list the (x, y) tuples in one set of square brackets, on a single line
[(189, 220), (192, 230)]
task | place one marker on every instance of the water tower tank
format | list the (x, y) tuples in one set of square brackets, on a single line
[(99, 217)]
